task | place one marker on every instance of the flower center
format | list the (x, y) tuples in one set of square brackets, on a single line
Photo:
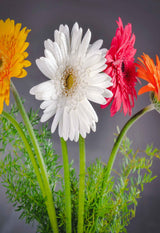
[(69, 81), (1, 62), (125, 70), (123, 67)]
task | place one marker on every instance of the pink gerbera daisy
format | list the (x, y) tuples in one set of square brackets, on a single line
[(121, 68)]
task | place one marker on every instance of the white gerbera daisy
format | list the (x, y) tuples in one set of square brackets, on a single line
[(74, 68)]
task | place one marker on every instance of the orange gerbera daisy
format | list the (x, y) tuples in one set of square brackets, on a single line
[(12, 56), (150, 72)]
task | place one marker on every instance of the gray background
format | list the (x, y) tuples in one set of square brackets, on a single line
[(43, 17)]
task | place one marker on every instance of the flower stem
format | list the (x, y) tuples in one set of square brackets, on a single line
[(122, 134), (81, 185), (27, 146), (67, 186), (48, 193)]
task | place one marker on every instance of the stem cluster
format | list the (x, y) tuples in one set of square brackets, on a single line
[(41, 172)]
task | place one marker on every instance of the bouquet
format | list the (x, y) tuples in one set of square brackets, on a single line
[(50, 194)]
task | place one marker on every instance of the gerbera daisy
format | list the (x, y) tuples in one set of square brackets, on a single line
[(12, 56), (74, 68), (121, 68), (150, 72)]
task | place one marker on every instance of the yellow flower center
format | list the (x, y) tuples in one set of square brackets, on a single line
[(69, 81)]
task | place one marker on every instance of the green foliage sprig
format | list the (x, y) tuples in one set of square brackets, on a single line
[(17, 172), (109, 206)]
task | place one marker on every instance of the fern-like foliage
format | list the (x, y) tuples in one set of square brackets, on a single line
[(17, 172), (109, 205)]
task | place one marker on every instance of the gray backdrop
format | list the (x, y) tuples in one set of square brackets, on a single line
[(43, 17)]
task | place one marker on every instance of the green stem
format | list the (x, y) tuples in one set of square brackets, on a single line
[(81, 185), (122, 134), (67, 186), (48, 193), (27, 146)]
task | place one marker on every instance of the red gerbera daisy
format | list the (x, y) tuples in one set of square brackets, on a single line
[(121, 68)]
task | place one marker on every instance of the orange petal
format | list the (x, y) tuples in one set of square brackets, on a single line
[(148, 87)]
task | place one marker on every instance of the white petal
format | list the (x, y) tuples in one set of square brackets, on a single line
[(100, 80), (94, 47), (85, 112), (72, 128), (84, 118), (89, 114), (90, 62), (76, 37), (103, 52), (75, 29), (43, 68), (84, 44), (99, 64), (62, 42), (75, 124), (56, 119), (46, 103), (66, 123), (95, 97), (82, 127), (102, 85), (100, 69), (57, 36), (53, 47), (47, 116), (48, 44), (60, 127), (76, 136), (44, 91), (89, 108), (95, 89), (107, 93), (51, 58), (65, 30), (101, 77), (108, 84), (46, 68), (108, 77), (93, 126), (50, 108), (63, 46)]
